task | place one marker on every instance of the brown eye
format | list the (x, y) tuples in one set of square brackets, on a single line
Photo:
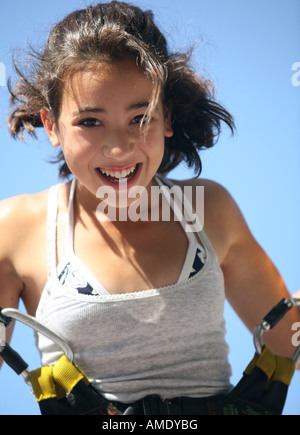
[(90, 122), (140, 118)]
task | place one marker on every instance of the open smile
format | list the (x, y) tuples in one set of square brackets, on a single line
[(114, 176)]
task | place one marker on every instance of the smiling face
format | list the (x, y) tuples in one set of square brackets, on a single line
[(99, 127)]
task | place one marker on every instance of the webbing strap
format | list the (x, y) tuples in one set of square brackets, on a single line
[(67, 375), (43, 384), (285, 369), (55, 381), (275, 367)]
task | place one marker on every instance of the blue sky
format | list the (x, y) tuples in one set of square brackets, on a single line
[(248, 50)]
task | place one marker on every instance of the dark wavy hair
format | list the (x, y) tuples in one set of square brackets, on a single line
[(113, 31)]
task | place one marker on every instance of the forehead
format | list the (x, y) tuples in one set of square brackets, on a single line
[(107, 83)]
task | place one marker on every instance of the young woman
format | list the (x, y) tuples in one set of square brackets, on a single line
[(139, 301)]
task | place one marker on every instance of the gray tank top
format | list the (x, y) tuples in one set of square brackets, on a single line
[(167, 341)]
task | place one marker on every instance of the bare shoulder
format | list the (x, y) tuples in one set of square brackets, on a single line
[(215, 193), (224, 223), (18, 216), (218, 202), (10, 208), (21, 220)]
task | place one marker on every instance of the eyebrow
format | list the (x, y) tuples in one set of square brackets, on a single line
[(134, 106)]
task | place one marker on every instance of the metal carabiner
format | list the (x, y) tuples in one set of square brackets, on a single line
[(37, 326), (2, 334), (271, 320), (12, 358)]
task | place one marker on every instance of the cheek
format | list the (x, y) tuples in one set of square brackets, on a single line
[(153, 151), (154, 142), (77, 152), (75, 145)]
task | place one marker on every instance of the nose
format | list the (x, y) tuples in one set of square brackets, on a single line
[(118, 145)]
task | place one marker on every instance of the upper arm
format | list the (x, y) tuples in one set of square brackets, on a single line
[(11, 237), (11, 284), (253, 285)]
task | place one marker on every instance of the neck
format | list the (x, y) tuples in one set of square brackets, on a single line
[(130, 212)]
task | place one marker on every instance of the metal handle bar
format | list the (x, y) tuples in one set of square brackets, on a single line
[(37, 326), (2, 335), (271, 320)]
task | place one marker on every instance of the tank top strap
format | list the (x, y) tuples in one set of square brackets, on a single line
[(69, 234), (191, 222), (51, 230)]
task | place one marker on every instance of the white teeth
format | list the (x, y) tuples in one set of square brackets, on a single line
[(118, 174)]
